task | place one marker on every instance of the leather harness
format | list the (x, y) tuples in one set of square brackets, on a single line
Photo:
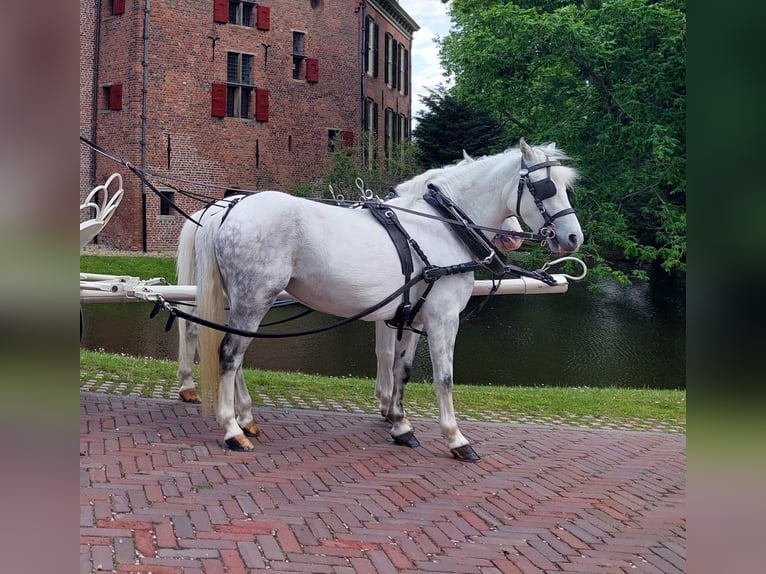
[(489, 256)]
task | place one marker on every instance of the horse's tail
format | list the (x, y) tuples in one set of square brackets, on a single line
[(185, 275), (210, 306)]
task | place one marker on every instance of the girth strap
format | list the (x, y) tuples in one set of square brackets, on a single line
[(401, 240), (477, 243), (396, 232)]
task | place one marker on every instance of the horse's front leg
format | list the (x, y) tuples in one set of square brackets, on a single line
[(230, 397), (385, 344), (404, 352), (441, 344)]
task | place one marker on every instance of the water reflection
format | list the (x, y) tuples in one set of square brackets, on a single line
[(628, 337)]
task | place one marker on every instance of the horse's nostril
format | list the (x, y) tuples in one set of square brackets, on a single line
[(573, 240)]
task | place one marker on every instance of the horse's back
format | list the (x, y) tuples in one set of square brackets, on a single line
[(334, 259)]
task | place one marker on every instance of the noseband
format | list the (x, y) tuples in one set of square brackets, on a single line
[(540, 190)]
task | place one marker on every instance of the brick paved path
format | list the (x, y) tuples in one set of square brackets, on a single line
[(329, 492)]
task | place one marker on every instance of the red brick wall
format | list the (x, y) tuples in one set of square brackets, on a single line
[(376, 88), (289, 149), (87, 59)]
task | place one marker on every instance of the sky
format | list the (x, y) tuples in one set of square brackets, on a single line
[(431, 16)]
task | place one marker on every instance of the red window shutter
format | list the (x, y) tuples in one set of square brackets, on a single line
[(312, 70), (347, 138), (221, 11), (261, 104), (218, 97), (118, 7), (115, 97), (264, 18)]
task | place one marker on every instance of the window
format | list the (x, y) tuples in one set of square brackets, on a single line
[(113, 96), (371, 47), (389, 131), (404, 70), (404, 128), (240, 13), (397, 130), (333, 140), (239, 84), (397, 75), (166, 202), (298, 55), (118, 7), (370, 129), (338, 140)]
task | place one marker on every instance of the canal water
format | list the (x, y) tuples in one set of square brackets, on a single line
[(617, 336)]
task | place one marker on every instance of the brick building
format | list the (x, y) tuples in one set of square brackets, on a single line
[(233, 94)]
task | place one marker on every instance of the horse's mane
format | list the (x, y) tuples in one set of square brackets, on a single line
[(454, 175)]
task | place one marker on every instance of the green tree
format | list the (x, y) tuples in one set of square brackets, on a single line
[(449, 126), (378, 168), (606, 81)]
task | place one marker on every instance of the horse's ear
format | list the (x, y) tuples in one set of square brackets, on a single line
[(466, 156), (526, 151)]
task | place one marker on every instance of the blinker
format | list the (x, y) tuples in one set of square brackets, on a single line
[(542, 189)]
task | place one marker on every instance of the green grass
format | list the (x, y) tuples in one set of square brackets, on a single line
[(635, 408), (142, 266), (582, 406)]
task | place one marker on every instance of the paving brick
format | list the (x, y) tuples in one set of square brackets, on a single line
[(366, 506)]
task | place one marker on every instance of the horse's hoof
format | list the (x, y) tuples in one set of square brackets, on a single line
[(251, 429), (407, 439), (465, 453), (190, 396), (240, 443)]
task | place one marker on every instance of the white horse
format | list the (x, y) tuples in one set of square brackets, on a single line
[(342, 262), (385, 336)]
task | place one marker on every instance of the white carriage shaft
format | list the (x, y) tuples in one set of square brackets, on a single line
[(95, 288)]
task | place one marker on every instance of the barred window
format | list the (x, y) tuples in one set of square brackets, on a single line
[(239, 84)]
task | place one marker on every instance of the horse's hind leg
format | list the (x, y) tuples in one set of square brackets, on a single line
[(233, 398), (401, 430), (243, 403), (187, 348)]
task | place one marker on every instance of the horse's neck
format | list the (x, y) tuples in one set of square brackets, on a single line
[(482, 189)]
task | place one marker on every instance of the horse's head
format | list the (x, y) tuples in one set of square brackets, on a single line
[(542, 198)]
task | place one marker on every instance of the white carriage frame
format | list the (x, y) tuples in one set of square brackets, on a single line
[(100, 288)]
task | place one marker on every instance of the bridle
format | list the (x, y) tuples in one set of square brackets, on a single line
[(540, 190)]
